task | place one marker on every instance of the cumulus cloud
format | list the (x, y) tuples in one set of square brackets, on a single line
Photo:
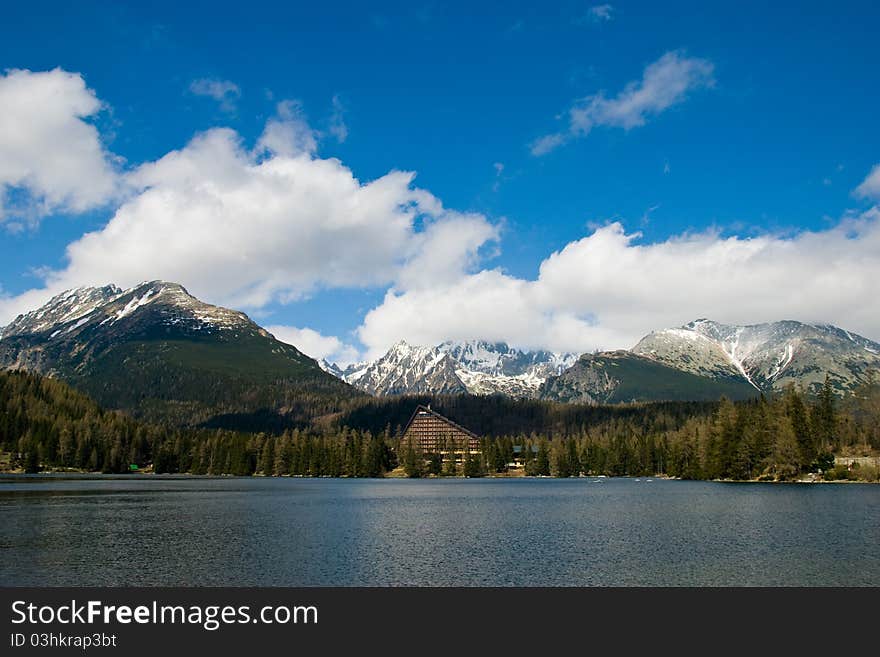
[(608, 289), (444, 250), (288, 133), (245, 228), (488, 305), (248, 226), (223, 91), (870, 187), (665, 82), (312, 343), (51, 158)]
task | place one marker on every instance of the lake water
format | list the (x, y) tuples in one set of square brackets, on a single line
[(177, 531)]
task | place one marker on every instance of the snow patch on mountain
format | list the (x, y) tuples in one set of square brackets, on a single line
[(69, 306), (769, 356), (476, 367), (71, 312), (134, 304)]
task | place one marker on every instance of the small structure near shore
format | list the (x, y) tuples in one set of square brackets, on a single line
[(431, 433)]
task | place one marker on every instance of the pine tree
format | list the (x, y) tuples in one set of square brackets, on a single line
[(800, 425), (497, 456), (435, 463), (472, 464), (450, 466), (825, 417), (412, 461), (542, 461), (574, 462)]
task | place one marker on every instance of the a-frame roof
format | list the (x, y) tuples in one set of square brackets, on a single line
[(427, 409)]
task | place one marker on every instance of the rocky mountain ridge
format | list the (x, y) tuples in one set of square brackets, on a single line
[(157, 351), (700, 360), (768, 356), (474, 367)]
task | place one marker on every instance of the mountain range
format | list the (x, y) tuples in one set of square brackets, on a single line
[(159, 353), (474, 367), (699, 361)]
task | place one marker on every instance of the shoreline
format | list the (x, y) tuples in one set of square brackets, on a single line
[(55, 474)]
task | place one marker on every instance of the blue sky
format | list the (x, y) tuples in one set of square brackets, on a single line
[(768, 140)]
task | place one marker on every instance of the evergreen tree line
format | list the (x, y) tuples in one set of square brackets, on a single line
[(772, 439), (45, 424), (496, 415), (294, 453)]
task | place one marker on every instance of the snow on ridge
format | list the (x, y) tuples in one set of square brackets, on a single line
[(482, 367), (64, 307), (684, 333), (134, 304), (79, 323)]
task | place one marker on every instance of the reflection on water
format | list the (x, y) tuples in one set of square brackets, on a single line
[(176, 531)]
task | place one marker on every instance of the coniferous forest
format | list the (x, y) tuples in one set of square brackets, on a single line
[(45, 425)]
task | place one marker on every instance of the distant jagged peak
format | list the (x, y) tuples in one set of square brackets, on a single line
[(331, 368), (476, 366), (404, 349)]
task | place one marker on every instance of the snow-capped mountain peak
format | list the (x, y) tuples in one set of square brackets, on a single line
[(404, 369), (768, 356), (70, 313), (474, 366)]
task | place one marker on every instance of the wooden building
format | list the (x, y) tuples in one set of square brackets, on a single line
[(430, 432)]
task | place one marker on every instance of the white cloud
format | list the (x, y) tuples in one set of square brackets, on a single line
[(601, 13), (488, 305), (337, 121), (51, 157), (445, 250), (664, 83), (547, 143), (499, 170), (607, 290), (314, 344), (288, 133), (870, 187), (223, 91), (244, 228)]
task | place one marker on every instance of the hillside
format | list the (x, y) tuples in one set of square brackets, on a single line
[(44, 421), (621, 376), (162, 355)]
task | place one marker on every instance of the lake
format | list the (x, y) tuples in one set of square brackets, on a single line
[(180, 531)]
